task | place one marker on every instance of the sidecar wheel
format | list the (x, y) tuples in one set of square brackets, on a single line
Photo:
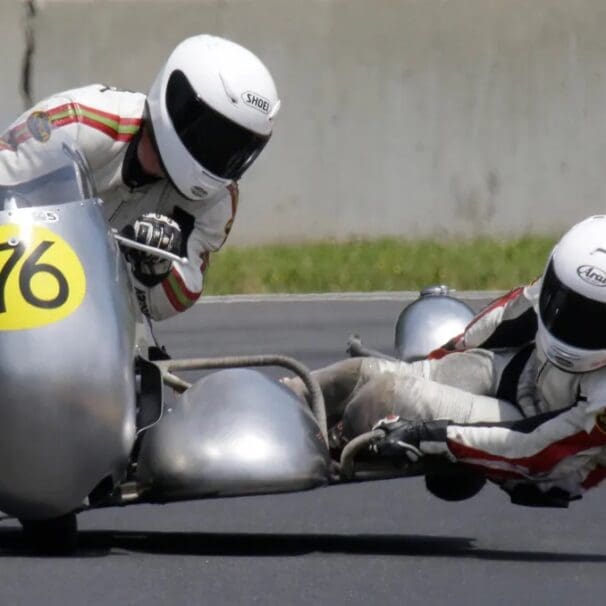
[(58, 536), (455, 485)]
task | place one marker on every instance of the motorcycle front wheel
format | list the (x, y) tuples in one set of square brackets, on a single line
[(55, 536)]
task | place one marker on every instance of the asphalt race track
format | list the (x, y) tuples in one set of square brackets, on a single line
[(375, 543)]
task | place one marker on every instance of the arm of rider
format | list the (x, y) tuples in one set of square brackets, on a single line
[(160, 232), (407, 442), (563, 449), (509, 321), (204, 229)]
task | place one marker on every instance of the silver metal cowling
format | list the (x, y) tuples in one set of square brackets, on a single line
[(234, 432), (67, 410)]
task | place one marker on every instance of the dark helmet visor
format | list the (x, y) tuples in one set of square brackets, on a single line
[(221, 146), (569, 316)]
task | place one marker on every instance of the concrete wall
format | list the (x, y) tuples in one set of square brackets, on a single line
[(12, 49), (400, 117)]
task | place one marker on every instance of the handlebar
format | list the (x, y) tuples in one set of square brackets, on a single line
[(152, 250)]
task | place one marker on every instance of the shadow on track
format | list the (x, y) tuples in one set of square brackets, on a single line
[(105, 543)]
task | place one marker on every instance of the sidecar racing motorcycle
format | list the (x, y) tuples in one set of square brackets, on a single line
[(84, 421)]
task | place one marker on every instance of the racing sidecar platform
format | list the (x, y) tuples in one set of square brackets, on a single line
[(238, 432)]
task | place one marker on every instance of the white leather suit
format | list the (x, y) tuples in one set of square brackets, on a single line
[(105, 125)]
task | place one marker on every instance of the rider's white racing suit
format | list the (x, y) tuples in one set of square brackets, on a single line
[(105, 124)]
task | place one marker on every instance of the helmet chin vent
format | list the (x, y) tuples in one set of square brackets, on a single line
[(563, 353), (562, 362)]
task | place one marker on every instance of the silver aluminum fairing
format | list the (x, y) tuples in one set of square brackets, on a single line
[(235, 432), (67, 403)]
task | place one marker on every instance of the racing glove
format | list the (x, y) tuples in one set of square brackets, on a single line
[(407, 441), (160, 232)]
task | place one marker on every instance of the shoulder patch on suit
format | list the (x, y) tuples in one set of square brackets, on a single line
[(39, 125)]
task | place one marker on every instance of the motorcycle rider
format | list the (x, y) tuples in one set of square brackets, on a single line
[(167, 165), (520, 395)]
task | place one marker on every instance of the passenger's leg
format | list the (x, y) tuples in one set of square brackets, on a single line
[(418, 399), (373, 387), (476, 370), (337, 382), (341, 380)]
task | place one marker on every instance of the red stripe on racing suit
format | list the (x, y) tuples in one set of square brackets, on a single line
[(117, 127), (594, 477), (508, 321), (565, 450), (180, 297)]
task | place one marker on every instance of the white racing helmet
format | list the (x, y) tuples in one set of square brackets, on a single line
[(572, 301), (211, 109)]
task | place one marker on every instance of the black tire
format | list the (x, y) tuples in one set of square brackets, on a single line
[(55, 536), (458, 484)]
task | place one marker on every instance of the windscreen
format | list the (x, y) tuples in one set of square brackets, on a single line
[(62, 177)]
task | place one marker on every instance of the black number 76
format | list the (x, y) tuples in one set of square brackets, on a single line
[(30, 268)]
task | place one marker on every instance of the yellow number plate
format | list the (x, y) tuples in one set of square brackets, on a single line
[(41, 278)]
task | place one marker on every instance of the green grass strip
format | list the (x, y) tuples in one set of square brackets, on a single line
[(386, 264)]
